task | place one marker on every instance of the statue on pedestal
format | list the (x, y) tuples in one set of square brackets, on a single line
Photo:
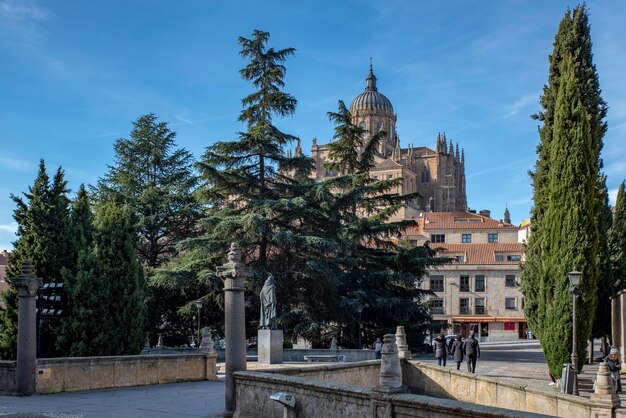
[(268, 304)]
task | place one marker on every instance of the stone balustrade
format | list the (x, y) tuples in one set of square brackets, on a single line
[(71, 374)]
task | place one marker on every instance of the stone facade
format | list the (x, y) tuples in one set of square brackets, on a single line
[(438, 175), (479, 290)]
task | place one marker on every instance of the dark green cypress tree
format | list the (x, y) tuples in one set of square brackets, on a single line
[(44, 238), (81, 229), (617, 240), (107, 295), (573, 40), (570, 225)]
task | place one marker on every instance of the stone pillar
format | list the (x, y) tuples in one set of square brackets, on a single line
[(25, 376), (622, 334), (208, 349), (403, 347), (234, 273), (616, 322), (605, 391), (390, 378)]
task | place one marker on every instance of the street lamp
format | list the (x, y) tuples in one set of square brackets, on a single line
[(360, 310), (574, 279), (199, 306)]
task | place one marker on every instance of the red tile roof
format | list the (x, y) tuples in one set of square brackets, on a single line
[(450, 220), (482, 253)]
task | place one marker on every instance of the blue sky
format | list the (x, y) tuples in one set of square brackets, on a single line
[(74, 74)]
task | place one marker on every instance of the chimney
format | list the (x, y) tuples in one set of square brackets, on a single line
[(486, 213)]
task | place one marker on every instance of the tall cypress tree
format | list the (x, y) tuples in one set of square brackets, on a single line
[(617, 240), (572, 42), (107, 295), (570, 226), (44, 238)]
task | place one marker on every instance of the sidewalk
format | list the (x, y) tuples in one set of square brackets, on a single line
[(190, 399)]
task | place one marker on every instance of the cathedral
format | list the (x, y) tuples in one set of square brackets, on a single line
[(437, 175)]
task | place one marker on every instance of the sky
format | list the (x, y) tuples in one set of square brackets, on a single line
[(75, 74)]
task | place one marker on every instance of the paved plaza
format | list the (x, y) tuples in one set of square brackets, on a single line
[(518, 362)]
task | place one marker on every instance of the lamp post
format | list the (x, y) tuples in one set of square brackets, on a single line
[(199, 306), (574, 279), (360, 310)]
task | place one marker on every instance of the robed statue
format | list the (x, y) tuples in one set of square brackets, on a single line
[(268, 304)]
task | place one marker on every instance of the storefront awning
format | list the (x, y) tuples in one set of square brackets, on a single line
[(486, 318), (469, 318)]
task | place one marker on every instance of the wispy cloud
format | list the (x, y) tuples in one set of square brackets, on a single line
[(523, 162), (519, 104), (15, 164), (10, 228), (22, 10)]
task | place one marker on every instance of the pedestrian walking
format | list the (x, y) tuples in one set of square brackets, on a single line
[(472, 350), (614, 367), (378, 348), (441, 351), (457, 351)]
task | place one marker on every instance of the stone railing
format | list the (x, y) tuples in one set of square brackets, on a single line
[(320, 392), (71, 374), (442, 382)]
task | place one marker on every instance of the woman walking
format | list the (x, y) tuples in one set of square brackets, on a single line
[(457, 351), (441, 351)]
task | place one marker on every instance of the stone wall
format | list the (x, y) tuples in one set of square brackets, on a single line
[(7, 377), (324, 398), (364, 373), (71, 374), (441, 382)]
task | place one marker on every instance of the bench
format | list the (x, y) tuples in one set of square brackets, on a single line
[(325, 358)]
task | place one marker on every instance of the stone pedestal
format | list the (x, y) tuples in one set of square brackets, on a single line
[(26, 365), (270, 346), (234, 274), (390, 378), (403, 347), (605, 391)]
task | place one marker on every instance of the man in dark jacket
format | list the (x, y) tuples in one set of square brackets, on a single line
[(472, 351)]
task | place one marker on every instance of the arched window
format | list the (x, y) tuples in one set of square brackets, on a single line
[(362, 125)]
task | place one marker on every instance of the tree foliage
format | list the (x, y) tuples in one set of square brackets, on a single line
[(158, 180), (567, 235), (43, 235), (617, 240), (107, 294)]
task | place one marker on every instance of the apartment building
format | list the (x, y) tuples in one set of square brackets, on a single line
[(479, 290)]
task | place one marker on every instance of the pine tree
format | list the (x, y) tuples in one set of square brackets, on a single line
[(617, 240), (158, 180), (107, 295), (43, 238)]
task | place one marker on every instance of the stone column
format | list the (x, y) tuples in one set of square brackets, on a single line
[(616, 322), (622, 334), (390, 378), (25, 376), (403, 346), (234, 273)]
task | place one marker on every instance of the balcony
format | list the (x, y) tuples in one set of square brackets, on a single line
[(480, 310), (437, 310), (464, 310)]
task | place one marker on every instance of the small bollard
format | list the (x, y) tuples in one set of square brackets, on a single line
[(288, 402)]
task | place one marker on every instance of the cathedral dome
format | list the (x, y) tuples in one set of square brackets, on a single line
[(371, 99)]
